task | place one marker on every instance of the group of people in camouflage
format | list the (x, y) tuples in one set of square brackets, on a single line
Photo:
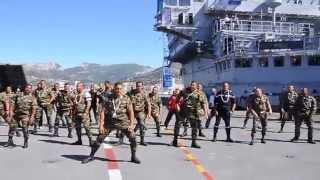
[(114, 109), (294, 106)]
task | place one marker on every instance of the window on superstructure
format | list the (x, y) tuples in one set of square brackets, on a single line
[(229, 64), (263, 62), (243, 63), (224, 65), (314, 60), (184, 2), (171, 2), (295, 60), (279, 61)]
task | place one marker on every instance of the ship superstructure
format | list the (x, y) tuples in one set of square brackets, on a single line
[(266, 43)]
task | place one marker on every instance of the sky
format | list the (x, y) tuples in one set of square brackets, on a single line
[(71, 32)]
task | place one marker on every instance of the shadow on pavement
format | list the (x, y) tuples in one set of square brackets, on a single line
[(55, 142), (82, 157), (157, 144)]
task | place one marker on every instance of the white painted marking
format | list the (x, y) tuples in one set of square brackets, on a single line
[(115, 174), (107, 146)]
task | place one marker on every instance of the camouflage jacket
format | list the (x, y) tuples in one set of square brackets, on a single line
[(43, 97), (139, 101), (24, 104), (289, 100), (117, 107), (155, 102), (193, 102), (259, 104), (80, 102), (64, 101), (306, 104)]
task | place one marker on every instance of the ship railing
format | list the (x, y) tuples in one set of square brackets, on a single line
[(261, 27)]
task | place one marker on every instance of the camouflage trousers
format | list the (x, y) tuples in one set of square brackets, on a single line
[(307, 119), (156, 119), (141, 124), (64, 116), (41, 111), (13, 125), (130, 135), (83, 119), (263, 117), (195, 126)]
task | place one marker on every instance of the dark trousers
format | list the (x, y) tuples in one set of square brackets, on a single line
[(303, 117), (288, 115), (169, 117), (226, 116)]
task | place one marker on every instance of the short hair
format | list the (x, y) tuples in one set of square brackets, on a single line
[(118, 84), (194, 82), (139, 82), (27, 85)]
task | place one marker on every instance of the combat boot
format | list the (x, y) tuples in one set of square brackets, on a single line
[(134, 158), (228, 131), (185, 132), (310, 141), (175, 142), (56, 132), (90, 141), (94, 149), (25, 145), (158, 131), (201, 134), (70, 133), (215, 131), (10, 143), (18, 133), (194, 144), (79, 142), (142, 142), (262, 140), (251, 142), (35, 129)]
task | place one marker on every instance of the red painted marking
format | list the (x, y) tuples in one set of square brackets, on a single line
[(195, 162), (207, 176), (112, 164)]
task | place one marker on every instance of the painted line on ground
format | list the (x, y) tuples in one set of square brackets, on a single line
[(112, 165), (190, 157)]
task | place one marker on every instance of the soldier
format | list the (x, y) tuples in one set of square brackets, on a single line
[(288, 102), (11, 97), (248, 112), (156, 106), (38, 119), (45, 98), (94, 104), (193, 100), (211, 107), (24, 110), (55, 92), (6, 114), (121, 110), (64, 106), (141, 107), (201, 112), (259, 105), (305, 106), (225, 102), (81, 110)]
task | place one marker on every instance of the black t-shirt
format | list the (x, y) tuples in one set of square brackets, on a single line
[(224, 101)]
